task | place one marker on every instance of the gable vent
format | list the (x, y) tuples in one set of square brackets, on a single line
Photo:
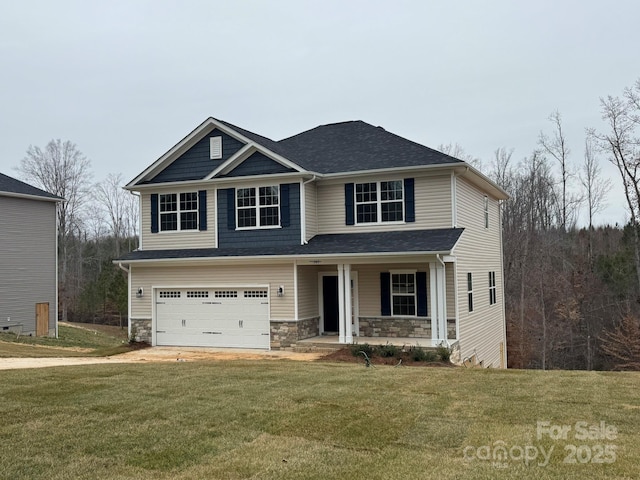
[(215, 144)]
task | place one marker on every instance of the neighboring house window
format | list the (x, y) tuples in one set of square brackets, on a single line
[(492, 288), (379, 202), (470, 291), (215, 148), (403, 294), (258, 207), (178, 211), (486, 212)]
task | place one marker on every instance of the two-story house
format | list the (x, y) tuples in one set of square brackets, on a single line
[(345, 229), (28, 259)]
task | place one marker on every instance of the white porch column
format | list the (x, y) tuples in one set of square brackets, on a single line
[(348, 314), (438, 301), (433, 300), (341, 316)]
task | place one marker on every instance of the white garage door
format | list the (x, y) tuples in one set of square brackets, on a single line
[(220, 317)]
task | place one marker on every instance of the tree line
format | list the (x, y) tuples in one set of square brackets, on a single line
[(572, 294), (96, 223)]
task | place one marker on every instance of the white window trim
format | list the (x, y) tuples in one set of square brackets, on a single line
[(378, 203), (415, 291), (257, 209), (215, 148), (178, 212)]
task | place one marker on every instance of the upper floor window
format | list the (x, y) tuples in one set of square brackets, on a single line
[(178, 211), (470, 291), (379, 202), (486, 212), (258, 207)]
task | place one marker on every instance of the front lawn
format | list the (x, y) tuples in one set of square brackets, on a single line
[(297, 420), (73, 341)]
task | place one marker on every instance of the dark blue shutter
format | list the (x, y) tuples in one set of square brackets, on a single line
[(202, 209), (409, 200), (385, 294), (284, 205), (154, 213), (348, 204), (231, 208), (421, 286)]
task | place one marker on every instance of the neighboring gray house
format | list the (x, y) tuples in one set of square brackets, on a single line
[(28, 259)]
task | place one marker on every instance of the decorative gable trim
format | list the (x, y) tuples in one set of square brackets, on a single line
[(215, 148), (244, 153), (196, 135)]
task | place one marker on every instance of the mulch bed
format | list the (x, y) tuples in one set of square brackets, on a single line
[(403, 358)]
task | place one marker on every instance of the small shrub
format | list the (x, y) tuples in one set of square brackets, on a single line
[(388, 350), (443, 352), (421, 355), (356, 348)]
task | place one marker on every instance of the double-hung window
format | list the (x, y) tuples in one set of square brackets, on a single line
[(470, 291), (378, 202), (258, 207), (492, 288), (403, 294), (178, 211)]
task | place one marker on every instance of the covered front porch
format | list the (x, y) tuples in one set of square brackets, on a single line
[(401, 300)]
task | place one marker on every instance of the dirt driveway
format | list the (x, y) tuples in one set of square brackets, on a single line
[(160, 354)]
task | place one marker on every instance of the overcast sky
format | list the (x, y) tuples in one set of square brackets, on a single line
[(126, 80)]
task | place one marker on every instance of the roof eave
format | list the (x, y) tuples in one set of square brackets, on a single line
[(31, 197), (267, 258)]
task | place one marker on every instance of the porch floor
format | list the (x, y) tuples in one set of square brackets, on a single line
[(331, 341)]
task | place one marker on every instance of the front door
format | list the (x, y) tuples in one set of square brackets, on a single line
[(330, 303)]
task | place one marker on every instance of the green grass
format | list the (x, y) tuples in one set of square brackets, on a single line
[(87, 342), (298, 420)]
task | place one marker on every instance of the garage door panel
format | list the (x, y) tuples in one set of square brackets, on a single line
[(225, 317)]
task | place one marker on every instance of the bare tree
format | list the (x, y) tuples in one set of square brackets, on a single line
[(556, 146), (595, 187), (117, 206), (621, 145), (63, 170), (623, 343), (457, 151)]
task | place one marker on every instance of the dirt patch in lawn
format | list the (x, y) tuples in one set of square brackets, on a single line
[(402, 358)]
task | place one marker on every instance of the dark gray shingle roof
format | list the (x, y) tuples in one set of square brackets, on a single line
[(407, 241), (348, 147), (357, 145), (11, 185)]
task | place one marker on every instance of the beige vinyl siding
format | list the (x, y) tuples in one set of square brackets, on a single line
[(307, 292), (478, 251), (311, 210), (432, 199), (450, 287), (274, 275), (170, 240), (27, 261)]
